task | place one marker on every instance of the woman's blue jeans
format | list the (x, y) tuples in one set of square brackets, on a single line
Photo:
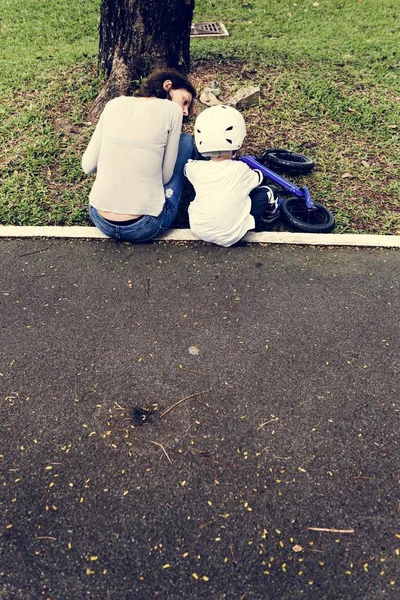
[(148, 227)]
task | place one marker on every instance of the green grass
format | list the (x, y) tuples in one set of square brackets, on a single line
[(359, 32), (330, 78), (36, 37)]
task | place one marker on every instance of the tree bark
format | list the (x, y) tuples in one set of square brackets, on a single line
[(138, 36)]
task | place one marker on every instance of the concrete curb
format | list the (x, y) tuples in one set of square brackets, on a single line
[(185, 235)]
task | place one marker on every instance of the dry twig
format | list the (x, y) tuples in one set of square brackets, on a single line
[(183, 400), (163, 449), (331, 530), (192, 371), (266, 423), (233, 555)]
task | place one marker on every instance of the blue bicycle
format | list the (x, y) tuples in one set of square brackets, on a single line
[(295, 204)]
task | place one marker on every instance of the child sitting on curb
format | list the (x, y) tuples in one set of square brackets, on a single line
[(223, 211)]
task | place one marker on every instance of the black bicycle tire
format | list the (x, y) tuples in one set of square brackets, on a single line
[(293, 208), (286, 160)]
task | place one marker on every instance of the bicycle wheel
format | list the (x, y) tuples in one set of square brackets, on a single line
[(285, 160), (315, 220)]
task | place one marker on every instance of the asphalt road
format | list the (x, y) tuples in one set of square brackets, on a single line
[(177, 419)]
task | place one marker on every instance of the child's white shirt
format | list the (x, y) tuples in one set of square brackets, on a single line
[(220, 212)]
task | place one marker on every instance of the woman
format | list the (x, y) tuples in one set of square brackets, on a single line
[(138, 153)]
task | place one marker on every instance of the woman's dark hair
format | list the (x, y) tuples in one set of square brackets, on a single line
[(152, 86)]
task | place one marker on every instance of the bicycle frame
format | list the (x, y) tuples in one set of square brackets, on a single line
[(300, 192)]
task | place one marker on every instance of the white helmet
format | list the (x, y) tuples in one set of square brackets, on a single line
[(219, 129)]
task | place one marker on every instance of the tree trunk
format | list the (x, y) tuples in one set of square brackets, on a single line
[(138, 36)]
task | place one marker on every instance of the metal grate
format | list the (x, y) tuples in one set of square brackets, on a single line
[(208, 30)]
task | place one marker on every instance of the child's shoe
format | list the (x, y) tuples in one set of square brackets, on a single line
[(271, 213)]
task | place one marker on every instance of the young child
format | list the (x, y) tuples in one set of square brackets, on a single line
[(223, 211)]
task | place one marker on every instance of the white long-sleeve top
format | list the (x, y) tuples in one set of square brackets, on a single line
[(133, 151)]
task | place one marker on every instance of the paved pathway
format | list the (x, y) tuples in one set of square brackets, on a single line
[(178, 420)]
